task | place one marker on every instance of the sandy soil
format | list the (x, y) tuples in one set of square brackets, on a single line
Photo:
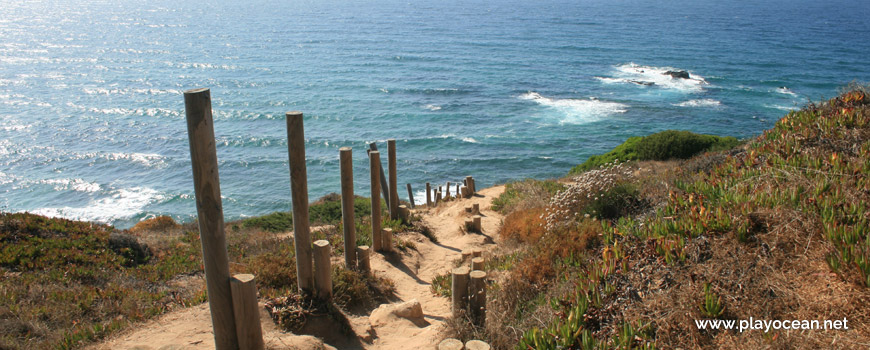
[(411, 271)]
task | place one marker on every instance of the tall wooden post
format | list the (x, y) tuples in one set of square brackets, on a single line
[(299, 195), (428, 195), (447, 193), (347, 222), (246, 311), (206, 184), (394, 183), (373, 147), (410, 196), (375, 165), (322, 269)]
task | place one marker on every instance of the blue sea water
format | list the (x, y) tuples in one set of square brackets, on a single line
[(92, 117)]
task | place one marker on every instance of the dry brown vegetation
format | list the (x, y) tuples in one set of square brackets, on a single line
[(776, 229)]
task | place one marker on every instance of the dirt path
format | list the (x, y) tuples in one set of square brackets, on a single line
[(412, 271)]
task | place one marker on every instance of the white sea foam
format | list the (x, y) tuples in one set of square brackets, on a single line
[(786, 91), (782, 108), (146, 159), (432, 107), (649, 76), (118, 204), (78, 185), (469, 140), (707, 102), (578, 111), (15, 127)]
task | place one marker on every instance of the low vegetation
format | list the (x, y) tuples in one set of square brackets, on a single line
[(64, 284), (629, 254), (665, 145)]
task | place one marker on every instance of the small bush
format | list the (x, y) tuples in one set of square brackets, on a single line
[(275, 271), (159, 223), (354, 290), (441, 285), (125, 245), (664, 145), (621, 200), (327, 209), (524, 225), (274, 222)]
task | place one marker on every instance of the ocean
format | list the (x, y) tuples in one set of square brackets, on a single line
[(92, 109)]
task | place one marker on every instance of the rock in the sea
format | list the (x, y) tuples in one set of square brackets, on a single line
[(411, 310), (644, 83), (681, 74)]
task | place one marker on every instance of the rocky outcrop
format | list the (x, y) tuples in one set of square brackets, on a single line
[(678, 74)]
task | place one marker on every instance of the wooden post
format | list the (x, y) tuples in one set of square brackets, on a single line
[(299, 195), (246, 312), (384, 188), (387, 244), (477, 297), (476, 345), (469, 226), (394, 183), (468, 182), (473, 186), (450, 344), (375, 164), (404, 213), (206, 184), (475, 209), (465, 255), (428, 195), (322, 269), (478, 227), (477, 263), (362, 256), (347, 222), (459, 291), (410, 196), (457, 192), (447, 193), (476, 252)]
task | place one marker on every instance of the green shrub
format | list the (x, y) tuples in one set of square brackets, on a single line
[(327, 210), (274, 222), (680, 144), (664, 145), (619, 201)]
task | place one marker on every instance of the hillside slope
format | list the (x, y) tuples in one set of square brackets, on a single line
[(631, 255)]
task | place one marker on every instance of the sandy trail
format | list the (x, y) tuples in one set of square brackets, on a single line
[(412, 271)]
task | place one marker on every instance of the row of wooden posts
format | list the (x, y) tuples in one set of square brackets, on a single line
[(233, 300), (468, 297)]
